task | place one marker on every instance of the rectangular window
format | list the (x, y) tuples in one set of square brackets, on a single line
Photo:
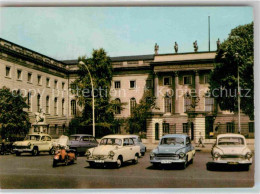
[(19, 74), (29, 77), (149, 84), (230, 127), (167, 105), (39, 80), (56, 84), (187, 80), (62, 106), (185, 127), (166, 81), (8, 71), (209, 104), (117, 84), (55, 106), (187, 104), (132, 84), (63, 85), (48, 82), (251, 127), (166, 128), (206, 79)]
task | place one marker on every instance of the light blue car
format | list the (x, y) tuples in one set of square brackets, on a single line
[(173, 148), (138, 141)]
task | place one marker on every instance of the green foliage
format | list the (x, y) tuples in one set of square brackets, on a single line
[(238, 49), (13, 119), (137, 121), (100, 68)]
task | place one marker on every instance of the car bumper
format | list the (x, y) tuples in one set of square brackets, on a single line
[(167, 161), (233, 162), (23, 150)]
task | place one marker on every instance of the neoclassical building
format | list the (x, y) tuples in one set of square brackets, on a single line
[(179, 81)]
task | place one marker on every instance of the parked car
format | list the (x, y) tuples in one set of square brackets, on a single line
[(173, 148), (114, 149), (34, 144), (138, 141), (82, 142), (231, 149)]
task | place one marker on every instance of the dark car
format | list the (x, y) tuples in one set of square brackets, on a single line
[(82, 142)]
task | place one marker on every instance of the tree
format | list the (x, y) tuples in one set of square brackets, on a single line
[(100, 68), (13, 119), (141, 112), (236, 51)]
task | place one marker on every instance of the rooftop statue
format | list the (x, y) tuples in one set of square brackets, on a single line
[(176, 47), (156, 49), (195, 45), (218, 45), (40, 116)]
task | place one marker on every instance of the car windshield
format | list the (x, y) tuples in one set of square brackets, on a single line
[(74, 138), (111, 141), (172, 141), (230, 141), (32, 137)]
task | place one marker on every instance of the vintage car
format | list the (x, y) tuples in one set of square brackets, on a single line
[(138, 141), (114, 149), (34, 144), (82, 142), (231, 149), (173, 148)]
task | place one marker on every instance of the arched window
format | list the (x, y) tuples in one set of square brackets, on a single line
[(117, 106), (55, 106), (167, 104), (38, 102), (47, 104), (62, 106), (73, 107), (132, 105)]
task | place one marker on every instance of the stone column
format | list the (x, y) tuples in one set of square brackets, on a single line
[(177, 105), (197, 88), (156, 81)]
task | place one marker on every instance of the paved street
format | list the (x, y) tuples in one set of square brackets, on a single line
[(27, 171)]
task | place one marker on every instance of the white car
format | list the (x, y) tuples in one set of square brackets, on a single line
[(34, 144), (231, 149), (114, 149)]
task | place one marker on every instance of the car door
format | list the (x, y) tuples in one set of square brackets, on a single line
[(49, 142), (132, 148), (92, 142), (43, 144), (189, 148), (126, 152)]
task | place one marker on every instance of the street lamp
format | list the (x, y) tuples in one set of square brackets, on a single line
[(93, 97), (238, 93)]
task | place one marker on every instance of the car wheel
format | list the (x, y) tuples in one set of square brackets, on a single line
[(246, 168), (52, 151), (184, 165), (135, 160), (143, 153), (17, 153), (66, 161), (54, 163), (119, 162), (156, 165), (35, 152), (191, 161)]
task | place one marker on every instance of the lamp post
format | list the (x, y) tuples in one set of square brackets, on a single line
[(238, 93), (93, 97)]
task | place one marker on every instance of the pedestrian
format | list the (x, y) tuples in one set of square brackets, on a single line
[(200, 142)]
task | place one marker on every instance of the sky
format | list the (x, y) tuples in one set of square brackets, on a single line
[(66, 33)]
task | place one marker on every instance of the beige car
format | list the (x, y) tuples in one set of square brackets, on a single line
[(34, 144), (114, 149), (231, 149)]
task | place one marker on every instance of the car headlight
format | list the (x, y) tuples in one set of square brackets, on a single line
[(249, 155), (87, 153), (111, 153), (29, 144), (216, 155), (182, 155), (152, 154)]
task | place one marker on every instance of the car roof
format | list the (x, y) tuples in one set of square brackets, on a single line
[(81, 135), (175, 135), (230, 135), (117, 136)]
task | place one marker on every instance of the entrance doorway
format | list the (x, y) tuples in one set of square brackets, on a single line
[(156, 131), (209, 127), (192, 131)]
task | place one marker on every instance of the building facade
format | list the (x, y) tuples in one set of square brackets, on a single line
[(179, 81)]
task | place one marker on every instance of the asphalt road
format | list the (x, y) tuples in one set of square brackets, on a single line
[(36, 172)]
